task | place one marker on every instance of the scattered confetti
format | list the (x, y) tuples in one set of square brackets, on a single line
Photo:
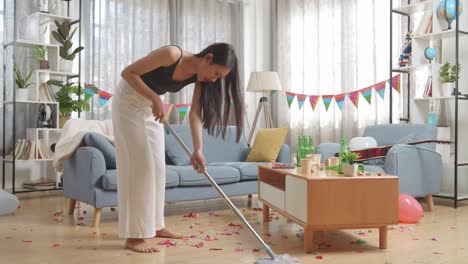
[(58, 213), (56, 245), (359, 241), (415, 238), (212, 214), (209, 238), (434, 239), (360, 251), (267, 234), (167, 243), (215, 249), (239, 250), (191, 215), (255, 250), (437, 253), (235, 225), (319, 257), (27, 241), (198, 245)]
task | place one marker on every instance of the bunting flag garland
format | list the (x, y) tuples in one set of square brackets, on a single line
[(182, 109), (314, 99), (339, 99), (290, 97), (90, 90), (396, 82), (327, 99), (301, 99), (367, 93), (273, 92), (354, 97), (167, 110), (380, 89), (104, 97)]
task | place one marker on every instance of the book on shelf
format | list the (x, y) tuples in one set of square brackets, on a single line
[(428, 87), (26, 150), (425, 24), (46, 94)]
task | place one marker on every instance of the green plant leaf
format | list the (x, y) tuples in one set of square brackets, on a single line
[(77, 50), (73, 33), (58, 37)]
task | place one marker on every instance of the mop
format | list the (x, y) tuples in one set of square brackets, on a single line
[(273, 258)]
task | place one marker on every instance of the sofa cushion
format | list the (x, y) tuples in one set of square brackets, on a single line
[(267, 144), (221, 175), (214, 148), (109, 179), (248, 170), (100, 142), (374, 168)]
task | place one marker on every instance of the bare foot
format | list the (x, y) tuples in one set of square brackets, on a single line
[(168, 234), (140, 245)]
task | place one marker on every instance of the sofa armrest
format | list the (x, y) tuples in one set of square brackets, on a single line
[(327, 150), (82, 174), (284, 155), (419, 170)]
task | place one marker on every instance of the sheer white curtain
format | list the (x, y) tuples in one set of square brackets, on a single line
[(118, 32), (331, 47)]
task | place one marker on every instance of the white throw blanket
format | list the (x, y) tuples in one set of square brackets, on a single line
[(72, 136)]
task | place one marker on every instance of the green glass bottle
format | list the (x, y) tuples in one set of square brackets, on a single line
[(298, 150), (311, 145), (343, 150), (303, 147)]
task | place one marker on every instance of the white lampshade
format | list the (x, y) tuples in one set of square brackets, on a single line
[(264, 82)]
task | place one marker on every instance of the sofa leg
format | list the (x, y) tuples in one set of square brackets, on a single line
[(97, 216), (71, 206), (429, 202)]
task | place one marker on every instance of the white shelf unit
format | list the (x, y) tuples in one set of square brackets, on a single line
[(444, 40)]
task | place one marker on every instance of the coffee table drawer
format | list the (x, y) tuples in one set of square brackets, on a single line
[(296, 198), (272, 195)]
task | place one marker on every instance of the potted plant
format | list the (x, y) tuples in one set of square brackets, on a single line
[(22, 83), (40, 54), (448, 78), (67, 97), (62, 35), (351, 168)]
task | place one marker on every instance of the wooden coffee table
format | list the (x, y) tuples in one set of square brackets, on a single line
[(329, 201)]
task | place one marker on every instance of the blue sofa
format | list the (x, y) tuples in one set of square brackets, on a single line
[(89, 176), (418, 167)]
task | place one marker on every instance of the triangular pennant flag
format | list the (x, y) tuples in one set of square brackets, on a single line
[(88, 93), (272, 92), (167, 110), (339, 99), (380, 89), (300, 100), (396, 82), (327, 99), (314, 99), (290, 98), (354, 97), (367, 93), (103, 97), (182, 109)]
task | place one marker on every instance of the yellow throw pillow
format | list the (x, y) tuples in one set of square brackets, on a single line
[(267, 144)]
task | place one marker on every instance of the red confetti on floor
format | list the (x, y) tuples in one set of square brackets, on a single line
[(255, 250), (318, 257), (209, 238), (56, 245), (198, 245), (191, 215), (27, 241), (235, 225), (214, 249), (167, 243)]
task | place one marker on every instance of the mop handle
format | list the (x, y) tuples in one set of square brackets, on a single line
[(228, 201)]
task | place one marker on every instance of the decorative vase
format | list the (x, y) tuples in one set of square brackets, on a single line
[(66, 65), (22, 94), (63, 119), (447, 89), (350, 170), (43, 65)]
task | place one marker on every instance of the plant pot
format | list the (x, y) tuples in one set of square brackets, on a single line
[(350, 170), (63, 119), (43, 65), (447, 89), (22, 94), (32, 93), (66, 65)]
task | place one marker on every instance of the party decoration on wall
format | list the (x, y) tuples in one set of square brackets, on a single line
[(301, 99), (314, 99), (339, 99), (104, 97), (380, 89), (167, 108), (354, 98), (367, 93), (290, 97), (182, 109), (327, 99)]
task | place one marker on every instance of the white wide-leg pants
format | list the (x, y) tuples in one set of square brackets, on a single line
[(139, 143)]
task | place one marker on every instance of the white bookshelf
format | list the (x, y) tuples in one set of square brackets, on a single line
[(415, 8), (434, 98)]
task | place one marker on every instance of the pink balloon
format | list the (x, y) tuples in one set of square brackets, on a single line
[(410, 211)]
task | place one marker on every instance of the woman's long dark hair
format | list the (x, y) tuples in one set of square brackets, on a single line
[(218, 95)]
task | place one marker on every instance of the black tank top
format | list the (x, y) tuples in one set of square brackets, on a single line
[(160, 79)]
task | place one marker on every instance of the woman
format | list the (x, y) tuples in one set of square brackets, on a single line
[(139, 137)]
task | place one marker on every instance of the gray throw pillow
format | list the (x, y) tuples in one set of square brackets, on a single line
[(175, 152), (104, 145)]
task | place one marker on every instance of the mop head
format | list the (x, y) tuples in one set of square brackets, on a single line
[(279, 259)]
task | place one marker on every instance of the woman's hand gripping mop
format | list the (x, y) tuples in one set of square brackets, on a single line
[(273, 258)]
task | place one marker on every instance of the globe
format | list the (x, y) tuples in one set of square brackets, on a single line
[(430, 53), (446, 10)]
